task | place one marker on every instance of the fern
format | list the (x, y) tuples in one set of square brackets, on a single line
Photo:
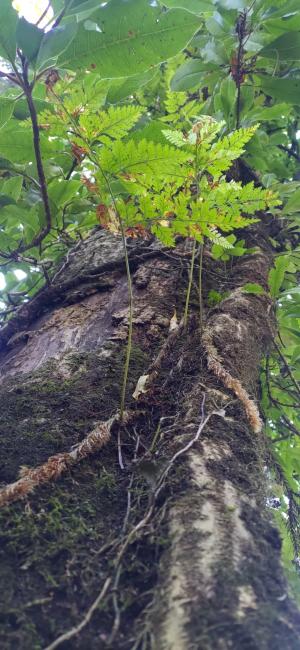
[(144, 162), (179, 108), (227, 149), (113, 124), (175, 137), (216, 238), (175, 101), (172, 189)]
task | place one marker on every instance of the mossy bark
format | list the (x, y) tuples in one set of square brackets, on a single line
[(202, 569)]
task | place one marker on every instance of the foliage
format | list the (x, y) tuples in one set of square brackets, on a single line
[(182, 119)]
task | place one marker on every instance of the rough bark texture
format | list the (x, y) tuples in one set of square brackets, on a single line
[(202, 568)]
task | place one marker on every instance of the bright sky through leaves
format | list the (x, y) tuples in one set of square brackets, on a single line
[(33, 9)]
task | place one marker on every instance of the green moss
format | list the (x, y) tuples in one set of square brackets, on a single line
[(49, 543)]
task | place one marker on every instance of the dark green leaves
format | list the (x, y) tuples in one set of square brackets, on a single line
[(29, 38), (284, 48), (282, 89), (8, 25), (54, 43), (124, 38)]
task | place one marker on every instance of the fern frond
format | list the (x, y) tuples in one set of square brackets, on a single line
[(110, 125), (205, 129), (227, 149), (216, 238), (145, 162), (175, 101), (175, 137)]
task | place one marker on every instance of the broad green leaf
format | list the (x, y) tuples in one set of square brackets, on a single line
[(61, 191), (12, 187), (284, 89), (284, 48), (6, 109), (122, 88), (54, 43), (29, 38), (16, 144), (188, 75), (269, 113), (8, 25), (225, 100), (195, 6), (128, 38), (81, 10), (276, 275), (293, 204), (233, 4)]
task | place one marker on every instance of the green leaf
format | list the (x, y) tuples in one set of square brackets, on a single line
[(276, 275), (293, 204), (284, 89), (6, 109), (124, 44), (122, 88), (195, 6), (8, 25), (144, 161), (5, 200), (54, 43), (16, 144), (269, 113), (114, 123), (188, 75), (284, 48), (61, 191), (81, 9), (12, 187), (225, 100), (252, 287), (29, 38)]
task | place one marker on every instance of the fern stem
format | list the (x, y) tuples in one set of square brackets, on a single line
[(128, 274), (188, 293), (200, 288)]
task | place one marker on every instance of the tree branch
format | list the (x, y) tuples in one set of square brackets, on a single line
[(39, 163)]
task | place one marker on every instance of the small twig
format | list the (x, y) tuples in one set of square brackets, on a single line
[(77, 628)]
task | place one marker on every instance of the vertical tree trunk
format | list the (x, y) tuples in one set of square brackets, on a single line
[(160, 538)]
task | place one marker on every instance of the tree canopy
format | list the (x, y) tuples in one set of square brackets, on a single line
[(165, 119)]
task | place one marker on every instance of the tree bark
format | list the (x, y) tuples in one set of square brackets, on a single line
[(157, 536)]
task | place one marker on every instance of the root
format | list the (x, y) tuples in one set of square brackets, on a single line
[(56, 465), (214, 363)]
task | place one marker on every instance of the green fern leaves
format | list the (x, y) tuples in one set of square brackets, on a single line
[(110, 125), (172, 187)]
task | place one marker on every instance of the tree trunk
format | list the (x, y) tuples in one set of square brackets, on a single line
[(155, 532)]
